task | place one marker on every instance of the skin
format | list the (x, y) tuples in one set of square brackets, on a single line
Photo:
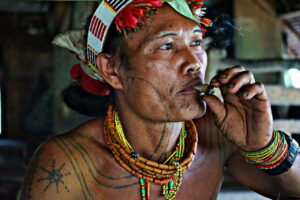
[(153, 96)]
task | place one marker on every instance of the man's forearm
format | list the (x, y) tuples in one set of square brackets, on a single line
[(289, 182)]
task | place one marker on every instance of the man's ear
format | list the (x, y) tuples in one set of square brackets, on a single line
[(109, 70)]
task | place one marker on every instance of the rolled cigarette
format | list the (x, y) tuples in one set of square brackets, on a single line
[(205, 88)]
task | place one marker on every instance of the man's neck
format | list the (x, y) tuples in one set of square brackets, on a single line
[(152, 140)]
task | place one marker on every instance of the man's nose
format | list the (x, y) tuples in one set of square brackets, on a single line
[(191, 62)]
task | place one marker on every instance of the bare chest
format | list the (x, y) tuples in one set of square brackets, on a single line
[(101, 177), (202, 181)]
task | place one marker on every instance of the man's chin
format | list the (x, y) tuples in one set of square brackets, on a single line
[(193, 110), (196, 111)]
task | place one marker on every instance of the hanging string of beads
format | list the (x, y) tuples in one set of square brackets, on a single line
[(168, 174), (169, 190)]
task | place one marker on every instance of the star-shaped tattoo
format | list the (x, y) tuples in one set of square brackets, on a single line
[(54, 176)]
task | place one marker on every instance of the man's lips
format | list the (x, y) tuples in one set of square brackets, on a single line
[(189, 89)]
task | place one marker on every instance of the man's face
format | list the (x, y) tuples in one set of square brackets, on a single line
[(165, 59)]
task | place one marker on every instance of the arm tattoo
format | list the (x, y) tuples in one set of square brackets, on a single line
[(54, 176), (71, 147), (79, 174), (91, 165)]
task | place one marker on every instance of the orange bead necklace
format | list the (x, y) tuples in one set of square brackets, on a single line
[(142, 168)]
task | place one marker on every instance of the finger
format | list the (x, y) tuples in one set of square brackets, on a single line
[(256, 90), (216, 106), (214, 81), (238, 81), (225, 76)]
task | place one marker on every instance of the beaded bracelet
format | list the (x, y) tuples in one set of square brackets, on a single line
[(293, 151), (277, 157)]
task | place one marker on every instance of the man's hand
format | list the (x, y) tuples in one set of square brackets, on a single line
[(245, 115)]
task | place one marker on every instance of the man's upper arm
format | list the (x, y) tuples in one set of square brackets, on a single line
[(251, 177), (51, 174)]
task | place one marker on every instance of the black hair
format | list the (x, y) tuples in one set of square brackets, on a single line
[(76, 98), (85, 103)]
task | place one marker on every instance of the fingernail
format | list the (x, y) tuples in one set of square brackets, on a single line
[(223, 76), (246, 95)]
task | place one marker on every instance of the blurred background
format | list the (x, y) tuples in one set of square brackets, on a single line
[(264, 36)]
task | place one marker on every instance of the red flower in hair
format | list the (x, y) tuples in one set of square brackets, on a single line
[(129, 17), (132, 15), (206, 21), (87, 83), (195, 4)]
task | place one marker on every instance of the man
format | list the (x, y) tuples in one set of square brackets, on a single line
[(142, 140)]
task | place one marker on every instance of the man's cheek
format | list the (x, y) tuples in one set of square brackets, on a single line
[(202, 57), (143, 89), (147, 97)]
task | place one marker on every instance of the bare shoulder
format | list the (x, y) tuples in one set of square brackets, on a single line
[(57, 169)]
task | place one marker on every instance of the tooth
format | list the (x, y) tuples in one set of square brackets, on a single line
[(206, 88)]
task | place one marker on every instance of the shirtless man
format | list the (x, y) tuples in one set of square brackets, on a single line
[(153, 95)]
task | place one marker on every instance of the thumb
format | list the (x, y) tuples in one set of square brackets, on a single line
[(216, 107)]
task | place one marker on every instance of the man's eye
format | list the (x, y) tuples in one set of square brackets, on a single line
[(196, 43), (166, 46)]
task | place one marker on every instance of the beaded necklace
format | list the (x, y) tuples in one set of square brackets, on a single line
[(168, 174), (169, 190)]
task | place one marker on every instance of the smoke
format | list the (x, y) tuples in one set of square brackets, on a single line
[(223, 31)]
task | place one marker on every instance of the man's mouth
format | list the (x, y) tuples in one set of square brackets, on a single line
[(190, 89), (205, 88)]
